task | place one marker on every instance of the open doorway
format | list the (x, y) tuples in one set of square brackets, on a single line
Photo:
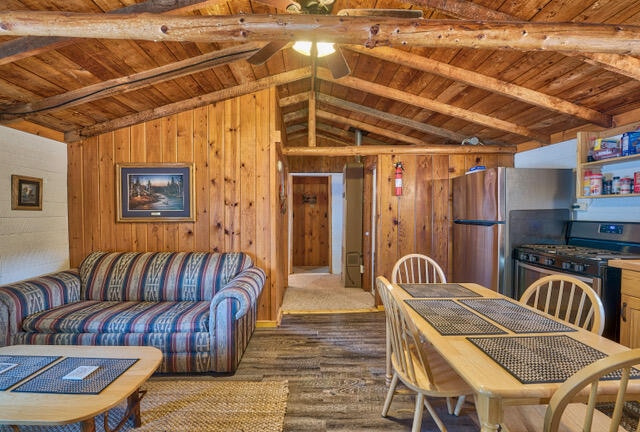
[(311, 224)]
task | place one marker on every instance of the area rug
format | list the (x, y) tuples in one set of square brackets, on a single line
[(204, 405)]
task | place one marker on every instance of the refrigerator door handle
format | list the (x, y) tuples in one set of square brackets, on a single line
[(477, 222)]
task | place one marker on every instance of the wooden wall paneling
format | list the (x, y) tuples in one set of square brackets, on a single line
[(122, 153), (406, 205), (217, 133), (231, 171), (91, 191), (247, 174), (169, 136), (185, 140), (423, 204), (387, 238), (155, 232), (106, 189), (138, 134), (201, 227), (264, 184), (75, 200), (440, 210), (457, 167)]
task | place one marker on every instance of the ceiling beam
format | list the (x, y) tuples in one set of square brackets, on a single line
[(392, 149), (486, 82), (368, 31), (433, 105), (129, 83), (464, 9), (294, 99), (325, 115), (385, 116), (173, 108), (28, 46)]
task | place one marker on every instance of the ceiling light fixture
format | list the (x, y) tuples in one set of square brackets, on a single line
[(471, 141), (323, 48)]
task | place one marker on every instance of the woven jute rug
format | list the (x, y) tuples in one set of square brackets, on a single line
[(207, 405)]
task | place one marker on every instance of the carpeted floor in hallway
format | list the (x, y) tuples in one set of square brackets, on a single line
[(315, 292)]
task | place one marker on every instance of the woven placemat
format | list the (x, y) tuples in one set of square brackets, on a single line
[(541, 359), (51, 381), (26, 366), (516, 317), (452, 319), (437, 290)]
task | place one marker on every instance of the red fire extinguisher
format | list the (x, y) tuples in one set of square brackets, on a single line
[(398, 182)]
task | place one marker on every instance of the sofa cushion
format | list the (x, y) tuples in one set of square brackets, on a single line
[(121, 317), (158, 276)]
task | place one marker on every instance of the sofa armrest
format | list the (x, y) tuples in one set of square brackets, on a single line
[(245, 289), (21, 299), (232, 318)]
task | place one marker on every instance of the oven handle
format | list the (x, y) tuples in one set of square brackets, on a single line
[(623, 312)]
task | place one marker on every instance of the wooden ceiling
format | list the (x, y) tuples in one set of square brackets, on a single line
[(514, 74)]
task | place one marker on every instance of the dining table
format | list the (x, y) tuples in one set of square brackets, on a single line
[(508, 353)]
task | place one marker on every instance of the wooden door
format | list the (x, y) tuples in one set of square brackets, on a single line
[(311, 223)]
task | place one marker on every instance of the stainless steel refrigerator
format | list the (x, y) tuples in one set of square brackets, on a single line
[(498, 209)]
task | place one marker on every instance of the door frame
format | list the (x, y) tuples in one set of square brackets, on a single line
[(329, 215)]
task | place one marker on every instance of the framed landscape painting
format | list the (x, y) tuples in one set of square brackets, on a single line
[(161, 192), (26, 193)]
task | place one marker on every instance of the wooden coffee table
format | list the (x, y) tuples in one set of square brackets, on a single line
[(19, 408)]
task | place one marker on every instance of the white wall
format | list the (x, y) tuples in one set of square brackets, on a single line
[(33, 242), (563, 155)]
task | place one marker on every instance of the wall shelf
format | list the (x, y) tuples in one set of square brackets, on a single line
[(584, 141)]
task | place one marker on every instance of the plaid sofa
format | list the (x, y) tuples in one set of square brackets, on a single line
[(199, 308)]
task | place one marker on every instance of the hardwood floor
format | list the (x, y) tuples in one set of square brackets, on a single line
[(335, 367)]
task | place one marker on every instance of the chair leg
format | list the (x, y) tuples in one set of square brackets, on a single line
[(390, 394), (459, 404), (417, 414), (450, 407), (434, 415), (389, 373)]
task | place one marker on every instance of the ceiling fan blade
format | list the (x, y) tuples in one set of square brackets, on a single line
[(393, 13), (264, 53), (337, 64)]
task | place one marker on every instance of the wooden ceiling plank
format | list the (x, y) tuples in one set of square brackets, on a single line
[(487, 83), (163, 111), (28, 46), (129, 83), (433, 105), (497, 35)]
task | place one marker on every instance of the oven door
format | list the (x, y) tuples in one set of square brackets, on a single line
[(526, 273)]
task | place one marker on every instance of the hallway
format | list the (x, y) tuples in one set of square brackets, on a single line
[(314, 290)]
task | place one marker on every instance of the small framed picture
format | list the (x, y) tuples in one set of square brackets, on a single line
[(161, 192), (26, 193)]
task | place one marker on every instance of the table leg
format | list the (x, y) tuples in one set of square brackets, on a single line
[(489, 412), (88, 426), (133, 408)]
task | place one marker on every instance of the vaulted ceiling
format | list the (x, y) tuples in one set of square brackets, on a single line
[(514, 74)]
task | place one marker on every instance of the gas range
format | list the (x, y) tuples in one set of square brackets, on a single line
[(579, 259), (589, 247)]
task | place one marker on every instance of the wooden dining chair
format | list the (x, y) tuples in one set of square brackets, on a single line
[(416, 363), (417, 268), (564, 415), (568, 299)]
